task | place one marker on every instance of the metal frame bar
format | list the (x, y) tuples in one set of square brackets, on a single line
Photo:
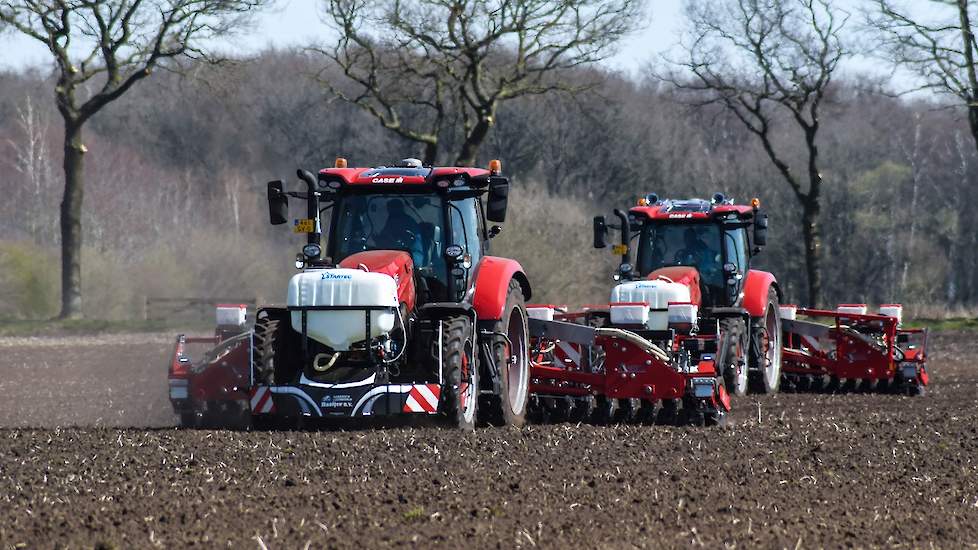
[(304, 310)]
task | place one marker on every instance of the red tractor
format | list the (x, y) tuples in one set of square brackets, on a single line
[(397, 308), (706, 323)]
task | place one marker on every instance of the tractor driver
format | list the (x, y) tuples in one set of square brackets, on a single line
[(401, 231), (695, 252)]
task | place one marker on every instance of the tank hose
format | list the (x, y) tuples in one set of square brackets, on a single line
[(628, 336), (318, 367), (400, 352)]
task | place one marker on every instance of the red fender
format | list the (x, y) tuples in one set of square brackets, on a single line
[(491, 281), (755, 291)]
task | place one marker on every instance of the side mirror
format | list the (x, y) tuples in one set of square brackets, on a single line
[(497, 200), (278, 203), (600, 232), (760, 229)]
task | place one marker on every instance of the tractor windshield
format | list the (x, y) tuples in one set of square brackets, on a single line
[(412, 223), (687, 244)]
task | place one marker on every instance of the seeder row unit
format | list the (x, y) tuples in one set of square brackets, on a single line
[(583, 368), (849, 349)]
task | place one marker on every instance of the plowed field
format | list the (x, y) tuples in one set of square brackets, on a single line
[(89, 457)]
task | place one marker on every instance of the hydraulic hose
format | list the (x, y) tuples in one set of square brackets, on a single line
[(400, 352), (628, 336)]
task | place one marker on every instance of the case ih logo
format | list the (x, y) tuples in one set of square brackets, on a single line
[(387, 180), (681, 216)]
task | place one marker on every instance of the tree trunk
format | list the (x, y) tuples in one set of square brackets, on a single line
[(71, 211), (973, 121), (964, 18), (430, 154), (813, 245), (473, 141)]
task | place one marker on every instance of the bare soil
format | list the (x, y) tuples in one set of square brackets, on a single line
[(89, 457)]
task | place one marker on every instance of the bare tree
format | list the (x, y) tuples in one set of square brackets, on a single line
[(101, 49), (760, 59), (33, 162), (423, 67), (942, 49)]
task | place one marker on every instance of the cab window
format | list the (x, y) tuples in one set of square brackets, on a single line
[(467, 227), (392, 222), (735, 244)]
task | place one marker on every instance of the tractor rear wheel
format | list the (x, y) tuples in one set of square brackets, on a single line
[(765, 348), (460, 393), (511, 356), (733, 357), (272, 353)]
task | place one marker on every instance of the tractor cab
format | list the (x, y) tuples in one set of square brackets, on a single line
[(435, 218), (707, 244)]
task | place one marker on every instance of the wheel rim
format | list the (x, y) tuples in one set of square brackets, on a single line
[(772, 347), (740, 374), (467, 386), (517, 371)]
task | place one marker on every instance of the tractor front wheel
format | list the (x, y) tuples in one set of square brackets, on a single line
[(461, 391), (733, 357), (511, 357), (766, 348), (276, 357)]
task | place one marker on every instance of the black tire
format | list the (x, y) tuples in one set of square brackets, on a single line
[(668, 413), (732, 356), (646, 413), (535, 412), (605, 410), (627, 411), (275, 359), (189, 420), (460, 394), (582, 409), (765, 349), (692, 414), (509, 407)]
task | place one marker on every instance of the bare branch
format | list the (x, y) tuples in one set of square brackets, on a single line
[(480, 52), (759, 57)]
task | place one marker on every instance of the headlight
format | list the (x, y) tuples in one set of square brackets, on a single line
[(312, 250), (454, 252), (625, 269)]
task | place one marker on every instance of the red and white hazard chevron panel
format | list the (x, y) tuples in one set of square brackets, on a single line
[(261, 400), (423, 398), (568, 354)]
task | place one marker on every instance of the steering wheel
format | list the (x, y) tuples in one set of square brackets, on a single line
[(405, 239), (685, 258), (358, 241)]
